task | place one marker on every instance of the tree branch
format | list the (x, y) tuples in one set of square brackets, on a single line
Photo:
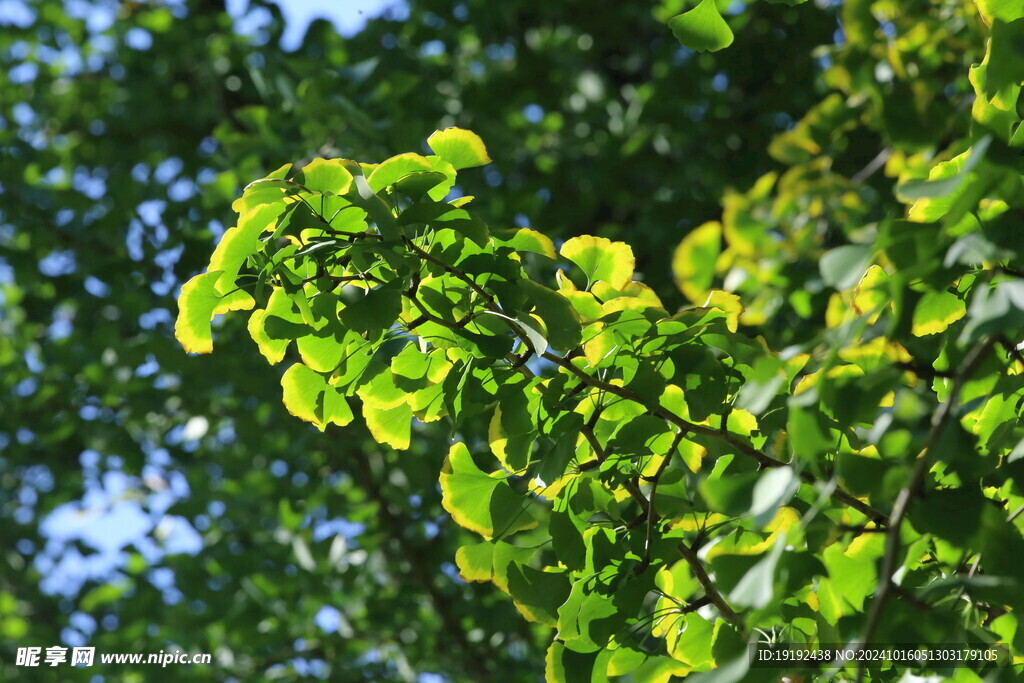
[(899, 511), (710, 592)]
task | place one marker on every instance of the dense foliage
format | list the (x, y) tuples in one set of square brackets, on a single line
[(842, 388)]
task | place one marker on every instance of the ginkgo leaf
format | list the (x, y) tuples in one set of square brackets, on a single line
[(268, 190), (326, 175), (601, 259), (391, 426), (336, 408), (702, 29), (693, 263), (481, 502), (302, 391), (871, 293), (525, 239), (198, 303), (1003, 10), (936, 311), (397, 167), (728, 302), (242, 241), (279, 305), (461, 148)]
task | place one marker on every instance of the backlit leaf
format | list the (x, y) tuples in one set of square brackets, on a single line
[(702, 28), (601, 259), (461, 148), (481, 502)]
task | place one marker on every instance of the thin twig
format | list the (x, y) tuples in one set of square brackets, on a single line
[(652, 513), (906, 495), (762, 459), (710, 592)]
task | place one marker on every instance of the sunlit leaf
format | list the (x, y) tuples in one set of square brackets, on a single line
[(461, 148), (601, 259), (481, 502), (702, 28)]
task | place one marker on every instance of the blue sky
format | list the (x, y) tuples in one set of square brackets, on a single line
[(348, 16), (120, 513)]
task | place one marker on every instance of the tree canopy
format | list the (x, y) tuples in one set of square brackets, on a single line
[(723, 345)]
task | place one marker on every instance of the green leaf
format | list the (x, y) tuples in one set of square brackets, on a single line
[(1003, 10), (773, 489), (757, 587), (601, 259), (843, 267), (690, 641), (537, 594), (326, 175), (994, 309), (763, 384), (581, 609), (461, 148), (397, 167), (1005, 57), (806, 436), (322, 351), (271, 189), (693, 261), (851, 569), (525, 239), (562, 665), (702, 29), (945, 178), (242, 241), (952, 514), (567, 540), (734, 672), (936, 311), (375, 311), (534, 337), (559, 316), (198, 303), (335, 407), (391, 426), (303, 389), (731, 494), (279, 307), (481, 502)]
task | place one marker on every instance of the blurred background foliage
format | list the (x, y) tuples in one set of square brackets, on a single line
[(151, 501)]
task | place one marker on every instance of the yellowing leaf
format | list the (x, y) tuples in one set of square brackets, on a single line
[(397, 167), (511, 450), (692, 454), (322, 352), (1003, 10), (280, 306), (601, 259), (302, 390), (461, 148), (242, 241), (391, 426), (326, 175), (936, 311), (198, 303), (931, 208), (525, 239), (336, 408), (871, 293), (481, 502), (693, 264), (728, 302)]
